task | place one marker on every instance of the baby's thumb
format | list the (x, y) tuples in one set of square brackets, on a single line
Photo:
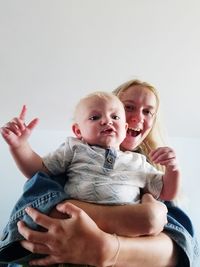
[(33, 124)]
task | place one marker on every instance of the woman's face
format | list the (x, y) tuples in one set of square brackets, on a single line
[(140, 106)]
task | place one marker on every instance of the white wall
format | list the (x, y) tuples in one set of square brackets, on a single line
[(54, 51), (188, 156)]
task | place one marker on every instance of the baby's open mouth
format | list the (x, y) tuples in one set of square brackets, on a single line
[(107, 131), (133, 132)]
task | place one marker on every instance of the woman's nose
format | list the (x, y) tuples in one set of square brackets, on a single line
[(136, 117)]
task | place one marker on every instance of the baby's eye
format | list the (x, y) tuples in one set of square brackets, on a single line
[(115, 117), (94, 118), (129, 108)]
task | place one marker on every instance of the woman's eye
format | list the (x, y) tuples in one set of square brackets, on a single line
[(147, 112), (129, 107)]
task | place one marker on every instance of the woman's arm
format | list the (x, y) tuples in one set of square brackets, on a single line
[(148, 251), (79, 240), (146, 218)]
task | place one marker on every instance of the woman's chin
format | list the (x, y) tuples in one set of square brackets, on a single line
[(130, 142)]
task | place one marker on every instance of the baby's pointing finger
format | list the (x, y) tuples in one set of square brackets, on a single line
[(22, 114)]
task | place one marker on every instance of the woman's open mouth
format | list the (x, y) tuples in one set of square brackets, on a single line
[(133, 132)]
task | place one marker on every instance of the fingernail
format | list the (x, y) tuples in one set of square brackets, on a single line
[(27, 209)]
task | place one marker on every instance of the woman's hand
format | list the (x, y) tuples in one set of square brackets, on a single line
[(76, 239), (16, 132)]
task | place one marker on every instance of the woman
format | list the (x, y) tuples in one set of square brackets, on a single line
[(84, 241)]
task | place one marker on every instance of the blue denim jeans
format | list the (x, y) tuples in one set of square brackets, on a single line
[(43, 193), (40, 192), (180, 229)]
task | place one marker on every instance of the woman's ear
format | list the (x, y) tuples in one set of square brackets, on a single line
[(76, 130)]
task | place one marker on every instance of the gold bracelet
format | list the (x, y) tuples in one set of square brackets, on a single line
[(118, 250)]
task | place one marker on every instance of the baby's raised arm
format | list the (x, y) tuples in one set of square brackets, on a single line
[(16, 134), (171, 179)]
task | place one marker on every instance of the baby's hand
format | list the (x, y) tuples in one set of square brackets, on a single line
[(16, 132), (165, 156)]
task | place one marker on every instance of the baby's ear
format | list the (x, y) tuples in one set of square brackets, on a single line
[(76, 130)]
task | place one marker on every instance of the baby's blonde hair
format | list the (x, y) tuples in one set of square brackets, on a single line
[(155, 138), (98, 94)]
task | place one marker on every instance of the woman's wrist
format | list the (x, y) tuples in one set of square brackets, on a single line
[(115, 258), (110, 249)]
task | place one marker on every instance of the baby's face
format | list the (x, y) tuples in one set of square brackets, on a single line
[(102, 122)]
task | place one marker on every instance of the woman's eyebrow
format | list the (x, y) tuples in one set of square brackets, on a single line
[(133, 102), (150, 107)]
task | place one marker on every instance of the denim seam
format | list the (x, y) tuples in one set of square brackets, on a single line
[(35, 204)]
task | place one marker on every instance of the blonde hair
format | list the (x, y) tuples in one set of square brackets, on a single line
[(99, 95), (155, 137)]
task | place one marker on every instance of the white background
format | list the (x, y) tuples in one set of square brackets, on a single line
[(54, 51)]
